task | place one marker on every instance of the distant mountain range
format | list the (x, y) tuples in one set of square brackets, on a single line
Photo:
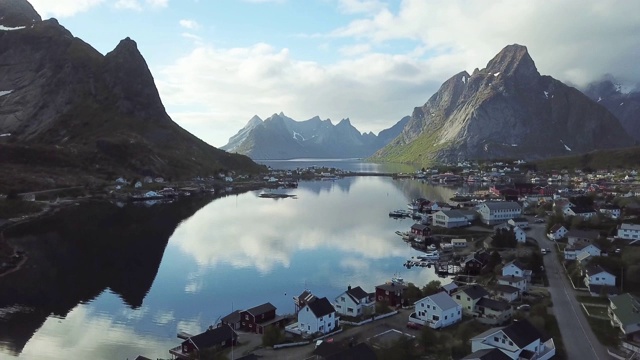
[(625, 106), (506, 110), (280, 137), (63, 105)]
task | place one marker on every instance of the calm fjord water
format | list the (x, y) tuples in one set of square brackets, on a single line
[(104, 282)]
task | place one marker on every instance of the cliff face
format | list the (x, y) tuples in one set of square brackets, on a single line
[(506, 110), (625, 106), (60, 92), (280, 137)]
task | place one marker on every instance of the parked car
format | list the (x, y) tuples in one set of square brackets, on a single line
[(524, 307), (412, 325), (539, 221)]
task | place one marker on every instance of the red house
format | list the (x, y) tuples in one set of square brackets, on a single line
[(257, 318), (392, 293), (214, 338), (420, 230)]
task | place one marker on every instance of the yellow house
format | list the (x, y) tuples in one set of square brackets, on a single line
[(468, 297)]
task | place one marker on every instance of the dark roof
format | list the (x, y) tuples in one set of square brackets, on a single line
[(321, 307), (507, 289), (595, 269), (493, 304), (474, 291), (587, 234), (234, 317), (522, 333), (556, 227), (213, 337), (419, 227), (520, 219), (261, 309), (581, 210), (487, 354), (140, 357), (392, 287), (357, 293), (603, 289), (361, 351), (479, 256)]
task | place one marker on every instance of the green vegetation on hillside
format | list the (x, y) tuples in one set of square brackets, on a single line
[(420, 151), (602, 159)]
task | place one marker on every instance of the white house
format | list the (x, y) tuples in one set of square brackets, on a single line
[(576, 237), (459, 243), (507, 292), (520, 340), (436, 311), (629, 231), (610, 211), (450, 219), (557, 232), (596, 275), (516, 268), (573, 252), (318, 316), (496, 212), (354, 302), (521, 236), (519, 222), (584, 213), (515, 281)]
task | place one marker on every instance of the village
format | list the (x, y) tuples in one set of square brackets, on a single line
[(501, 253)]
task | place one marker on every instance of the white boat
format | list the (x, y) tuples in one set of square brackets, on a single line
[(430, 255), (397, 280), (431, 247)]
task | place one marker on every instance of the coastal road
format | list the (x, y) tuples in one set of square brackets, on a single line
[(579, 340)]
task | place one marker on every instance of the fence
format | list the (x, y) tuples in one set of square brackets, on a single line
[(369, 320)]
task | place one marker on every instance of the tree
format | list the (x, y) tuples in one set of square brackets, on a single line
[(272, 336), (413, 293), (431, 288), (494, 260), (428, 337)]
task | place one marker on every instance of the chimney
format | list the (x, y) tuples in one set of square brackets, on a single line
[(348, 287)]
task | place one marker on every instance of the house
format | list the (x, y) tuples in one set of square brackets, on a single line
[(468, 296), (487, 354), (629, 231), (459, 243), (517, 268), (257, 318), (520, 340), (515, 281), (232, 320), (392, 293), (449, 288), (575, 237), (496, 212), (611, 211), (599, 281), (520, 222), (420, 231), (561, 204), (557, 232), (303, 299), (493, 312), (449, 219), (436, 311), (214, 338), (520, 235), (318, 316), (573, 252), (624, 313), (507, 292), (354, 302), (475, 262), (582, 212)]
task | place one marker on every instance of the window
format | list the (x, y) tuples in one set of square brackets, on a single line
[(458, 297), (246, 317), (468, 298), (495, 338), (436, 317), (422, 304), (350, 310), (445, 317), (342, 298), (511, 343)]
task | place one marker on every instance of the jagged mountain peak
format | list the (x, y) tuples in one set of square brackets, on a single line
[(343, 122), (14, 13), (254, 120), (513, 60)]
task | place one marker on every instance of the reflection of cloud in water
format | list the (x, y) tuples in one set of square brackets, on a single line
[(247, 231), (82, 335)]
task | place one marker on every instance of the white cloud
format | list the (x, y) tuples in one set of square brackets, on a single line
[(189, 24), (158, 3), (360, 6), (128, 5), (63, 8), (354, 50)]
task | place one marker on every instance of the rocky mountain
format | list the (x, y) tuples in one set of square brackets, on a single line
[(506, 110), (101, 114), (624, 105), (280, 137)]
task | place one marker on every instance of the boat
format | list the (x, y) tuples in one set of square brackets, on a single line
[(430, 255), (397, 280), (400, 213), (431, 247)]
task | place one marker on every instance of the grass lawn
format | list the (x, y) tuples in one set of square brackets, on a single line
[(586, 299), (596, 310), (606, 334)]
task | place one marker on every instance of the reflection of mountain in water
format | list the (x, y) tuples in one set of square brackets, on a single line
[(318, 186), (78, 253)]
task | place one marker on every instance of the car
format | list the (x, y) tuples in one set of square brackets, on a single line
[(539, 221), (412, 325), (543, 251), (524, 307)]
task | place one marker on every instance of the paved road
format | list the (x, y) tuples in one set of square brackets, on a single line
[(579, 340)]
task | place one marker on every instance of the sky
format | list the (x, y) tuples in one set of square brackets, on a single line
[(217, 63)]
